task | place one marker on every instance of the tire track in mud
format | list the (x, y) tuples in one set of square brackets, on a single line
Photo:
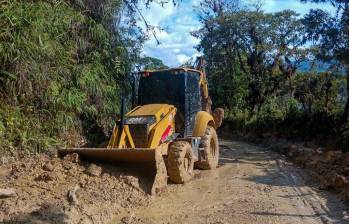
[(251, 185), (305, 194)]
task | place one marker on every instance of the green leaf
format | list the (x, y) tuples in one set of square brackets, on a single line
[(8, 75)]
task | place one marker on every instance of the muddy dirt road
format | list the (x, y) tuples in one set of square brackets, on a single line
[(250, 186)]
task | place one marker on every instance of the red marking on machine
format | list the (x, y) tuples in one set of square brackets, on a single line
[(166, 133)]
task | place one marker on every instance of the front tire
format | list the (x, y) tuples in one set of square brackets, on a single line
[(180, 163), (210, 155)]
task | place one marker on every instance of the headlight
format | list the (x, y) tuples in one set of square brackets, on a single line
[(149, 120)]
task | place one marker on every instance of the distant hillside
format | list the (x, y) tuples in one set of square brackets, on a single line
[(319, 66)]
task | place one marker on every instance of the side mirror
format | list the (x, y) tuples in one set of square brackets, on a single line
[(218, 115)]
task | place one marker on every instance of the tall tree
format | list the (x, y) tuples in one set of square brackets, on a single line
[(264, 47), (150, 63), (331, 35)]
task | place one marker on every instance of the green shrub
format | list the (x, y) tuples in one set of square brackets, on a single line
[(61, 65)]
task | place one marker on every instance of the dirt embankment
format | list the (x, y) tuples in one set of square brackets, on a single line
[(46, 189)]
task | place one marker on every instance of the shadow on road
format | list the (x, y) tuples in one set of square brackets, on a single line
[(47, 213), (281, 214)]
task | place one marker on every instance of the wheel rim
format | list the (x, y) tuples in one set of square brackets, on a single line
[(213, 150)]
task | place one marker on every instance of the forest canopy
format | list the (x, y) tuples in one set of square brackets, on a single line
[(255, 61)]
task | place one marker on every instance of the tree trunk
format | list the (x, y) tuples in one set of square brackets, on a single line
[(290, 86), (346, 108)]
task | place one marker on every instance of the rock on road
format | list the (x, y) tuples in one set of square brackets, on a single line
[(251, 185)]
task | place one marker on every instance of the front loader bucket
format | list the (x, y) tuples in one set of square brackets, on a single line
[(138, 158)]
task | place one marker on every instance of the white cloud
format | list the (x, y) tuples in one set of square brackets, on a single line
[(182, 58), (177, 45), (295, 5), (156, 13)]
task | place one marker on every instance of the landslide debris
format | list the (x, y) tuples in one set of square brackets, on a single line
[(47, 189)]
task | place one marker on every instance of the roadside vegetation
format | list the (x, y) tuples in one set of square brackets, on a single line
[(64, 65), (279, 74)]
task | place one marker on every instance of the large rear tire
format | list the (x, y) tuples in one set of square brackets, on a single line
[(180, 163), (210, 155)]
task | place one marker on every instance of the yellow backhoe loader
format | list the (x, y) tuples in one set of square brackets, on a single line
[(172, 128)]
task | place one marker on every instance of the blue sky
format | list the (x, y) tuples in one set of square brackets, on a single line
[(177, 45)]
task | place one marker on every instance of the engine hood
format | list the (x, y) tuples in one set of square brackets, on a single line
[(157, 110)]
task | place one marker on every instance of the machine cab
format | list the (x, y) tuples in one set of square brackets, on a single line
[(179, 87)]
